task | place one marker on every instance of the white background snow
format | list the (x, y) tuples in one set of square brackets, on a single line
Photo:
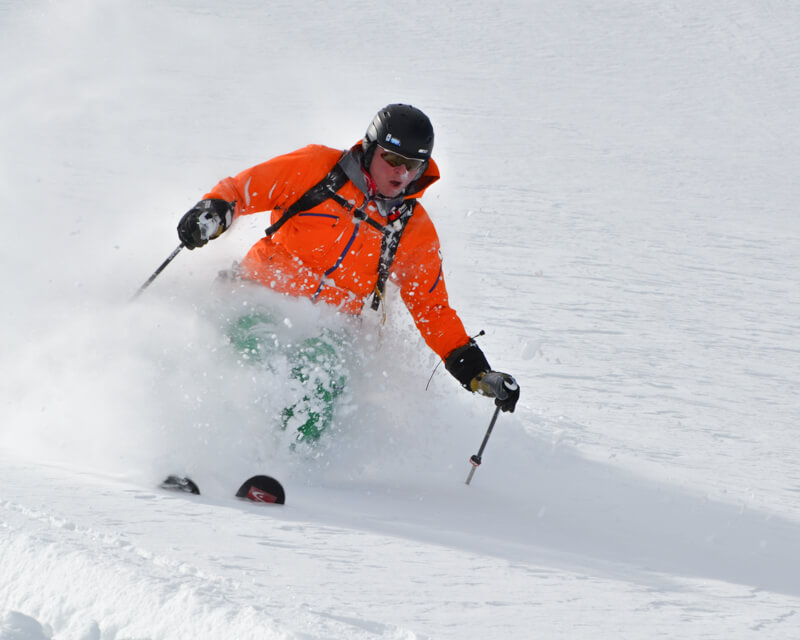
[(618, 210)]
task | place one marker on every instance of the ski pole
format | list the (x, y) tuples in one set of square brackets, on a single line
[(475, 460), (157, 271)]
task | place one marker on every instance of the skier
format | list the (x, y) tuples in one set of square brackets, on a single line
[(342, 224)]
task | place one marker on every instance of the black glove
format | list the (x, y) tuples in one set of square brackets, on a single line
[(469, 366), (500, 386), (204, 221)]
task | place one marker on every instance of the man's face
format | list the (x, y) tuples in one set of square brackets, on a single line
[(392, 172)]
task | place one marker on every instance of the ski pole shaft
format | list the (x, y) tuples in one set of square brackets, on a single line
[(159, 270), (475, 460)]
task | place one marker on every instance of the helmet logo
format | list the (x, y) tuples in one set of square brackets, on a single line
[(393, 140)]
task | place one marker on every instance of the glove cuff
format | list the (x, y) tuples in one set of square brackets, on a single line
[(466, 362)]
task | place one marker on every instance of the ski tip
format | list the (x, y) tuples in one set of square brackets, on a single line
[(264, 489), (180, 483)]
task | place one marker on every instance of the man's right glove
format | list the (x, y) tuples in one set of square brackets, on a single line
[(205, 221)]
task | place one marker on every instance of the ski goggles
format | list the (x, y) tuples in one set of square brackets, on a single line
[(395, 160)]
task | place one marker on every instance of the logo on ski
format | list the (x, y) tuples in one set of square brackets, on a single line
[(262, 489), (257, 495)]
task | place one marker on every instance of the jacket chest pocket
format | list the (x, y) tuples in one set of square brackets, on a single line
[(334, 241), (314, 236)]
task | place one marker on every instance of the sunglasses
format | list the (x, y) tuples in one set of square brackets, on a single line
[(395, 160)]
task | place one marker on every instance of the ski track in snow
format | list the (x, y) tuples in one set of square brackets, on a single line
[(617, 211), (273, 571)]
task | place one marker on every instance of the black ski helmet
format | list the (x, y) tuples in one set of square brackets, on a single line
[(402, 128)]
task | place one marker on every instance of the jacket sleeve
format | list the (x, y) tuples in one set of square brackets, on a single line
[(275, 184), (418, 271)]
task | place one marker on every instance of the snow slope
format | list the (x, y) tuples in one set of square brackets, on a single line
[(617, 211)]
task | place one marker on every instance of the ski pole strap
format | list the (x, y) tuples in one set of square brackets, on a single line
[(334, 180)]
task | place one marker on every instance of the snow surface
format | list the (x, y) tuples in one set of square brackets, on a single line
[(618, 211)]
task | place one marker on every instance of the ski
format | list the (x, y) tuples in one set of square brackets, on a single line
[(263, 489), (178, 483)]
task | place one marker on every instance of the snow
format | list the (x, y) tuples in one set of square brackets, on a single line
[(618, 211)]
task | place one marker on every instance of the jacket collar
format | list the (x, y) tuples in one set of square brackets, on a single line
[(352, 164)]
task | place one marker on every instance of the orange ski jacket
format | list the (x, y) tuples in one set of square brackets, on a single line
[(328, 254)]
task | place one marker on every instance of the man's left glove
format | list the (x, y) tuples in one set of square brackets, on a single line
[(205, 221), (469, 366), (500, 386)]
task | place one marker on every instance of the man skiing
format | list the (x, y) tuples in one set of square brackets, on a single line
[(343, 223)]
